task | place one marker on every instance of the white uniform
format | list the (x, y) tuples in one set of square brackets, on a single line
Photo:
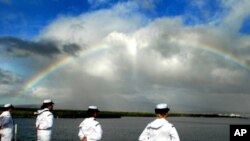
[(44, 124), (159, 130), (6, 131), (91, 129)]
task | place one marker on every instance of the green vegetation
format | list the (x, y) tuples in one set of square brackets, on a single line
[(30, 113)]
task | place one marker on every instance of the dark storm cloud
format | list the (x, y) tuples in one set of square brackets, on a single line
[(15, 45), (7, 77), (21, 48), (71, 48)]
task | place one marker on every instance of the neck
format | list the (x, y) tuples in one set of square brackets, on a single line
[(8, 110), (161, 115)]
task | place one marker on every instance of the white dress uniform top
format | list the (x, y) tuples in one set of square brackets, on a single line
[(91, 129), (159, 130), (6, 131), (44, 124)]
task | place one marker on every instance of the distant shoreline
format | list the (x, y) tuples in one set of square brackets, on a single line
[(30, 113)]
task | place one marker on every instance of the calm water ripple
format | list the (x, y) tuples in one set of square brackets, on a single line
[(129, 128)]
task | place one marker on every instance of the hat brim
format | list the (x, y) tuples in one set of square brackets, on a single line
[(165, 110), (94, 110), (9, 107), (49, 103)]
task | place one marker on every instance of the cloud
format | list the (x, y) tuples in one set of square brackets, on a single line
[(8, 78), (21, 47), (93, 27), (24, 48), (235, 15), (157, 70), (129, 62), (143, 64), (71, 49)]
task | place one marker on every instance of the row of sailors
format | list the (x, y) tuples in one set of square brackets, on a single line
[(89, 129)]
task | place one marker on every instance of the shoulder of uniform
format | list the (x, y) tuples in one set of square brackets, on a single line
[(5, 113), (96, 123), (171, 125), (48, 113)]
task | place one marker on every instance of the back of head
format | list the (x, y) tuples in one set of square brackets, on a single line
[(161, 108), (92, 110), (47, 103), (8, 106)]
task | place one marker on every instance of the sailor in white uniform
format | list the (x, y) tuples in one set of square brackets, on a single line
[(90, 129), (44, 121), (160, 129), (6, 123)]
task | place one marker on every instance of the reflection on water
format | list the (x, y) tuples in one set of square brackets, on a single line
[(129, 128)]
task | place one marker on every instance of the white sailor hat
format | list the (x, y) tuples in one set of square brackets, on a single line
[(48, 101), (93, 108), (8, 105), (161, 106)]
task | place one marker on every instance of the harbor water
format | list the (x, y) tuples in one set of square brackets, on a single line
[(129, 128)]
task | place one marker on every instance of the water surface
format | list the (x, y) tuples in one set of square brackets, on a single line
[(129, 128)]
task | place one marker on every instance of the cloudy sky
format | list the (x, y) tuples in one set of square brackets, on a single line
[(126, 55)]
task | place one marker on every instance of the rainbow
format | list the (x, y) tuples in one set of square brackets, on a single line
[(48, 70), (59, 64), (96, 48), (226, 55)]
